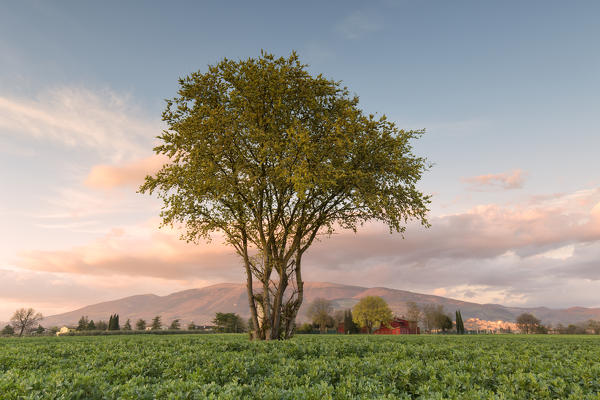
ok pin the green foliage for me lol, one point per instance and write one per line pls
(349, 324)
(229, 323)
(446, 324)
(8, 330)
(91, 326)
(140, 325)
(272, 157)
(305, 328)
(307, 367)
(371, 311)
(83, 323)
(191, 326)
(113, 322)
(102, 325)
(127, 326)
(156, 323)
(460, 326)
(175, 325)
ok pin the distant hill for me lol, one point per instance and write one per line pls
(200, 305)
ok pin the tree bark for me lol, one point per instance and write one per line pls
(278, 303)
(250, 292)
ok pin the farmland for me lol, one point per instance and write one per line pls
(306, 367)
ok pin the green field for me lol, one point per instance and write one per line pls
(307, 367)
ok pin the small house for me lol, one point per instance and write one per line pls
(398, 326)
(63, 331)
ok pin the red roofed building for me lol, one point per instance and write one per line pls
(398, 326)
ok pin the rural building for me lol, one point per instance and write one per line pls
(398, 326)
(63, 330)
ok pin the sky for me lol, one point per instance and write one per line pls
(507, 92)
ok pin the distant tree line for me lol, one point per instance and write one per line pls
(368, 314)
(528, 323)
(113, 324)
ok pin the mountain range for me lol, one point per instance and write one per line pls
(200, 305)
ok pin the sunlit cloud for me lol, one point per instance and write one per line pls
(136, 251)
(129, 174)
(515, 250)
(508, 180)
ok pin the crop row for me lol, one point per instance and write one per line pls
(307, 367)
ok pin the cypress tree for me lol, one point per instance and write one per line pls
(460, 327)
(457, 322)
(349, 324)
(113, 322)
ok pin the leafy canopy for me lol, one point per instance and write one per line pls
(371, 310)
(261, 150)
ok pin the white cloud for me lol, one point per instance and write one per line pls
(105, 121)
(561, 253)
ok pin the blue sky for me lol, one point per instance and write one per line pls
(507, 91)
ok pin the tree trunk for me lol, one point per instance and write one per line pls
(250, 291)
(276, 317)
(277, 306)
(295, 306)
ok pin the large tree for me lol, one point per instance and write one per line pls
(528, 323)
(273, 157)
(319, 311)
(24, 319)
(371, 311)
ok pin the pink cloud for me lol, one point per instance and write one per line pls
(503, 249)
(127, 174)
(484, 232)
(506, 180)
(129, 252)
